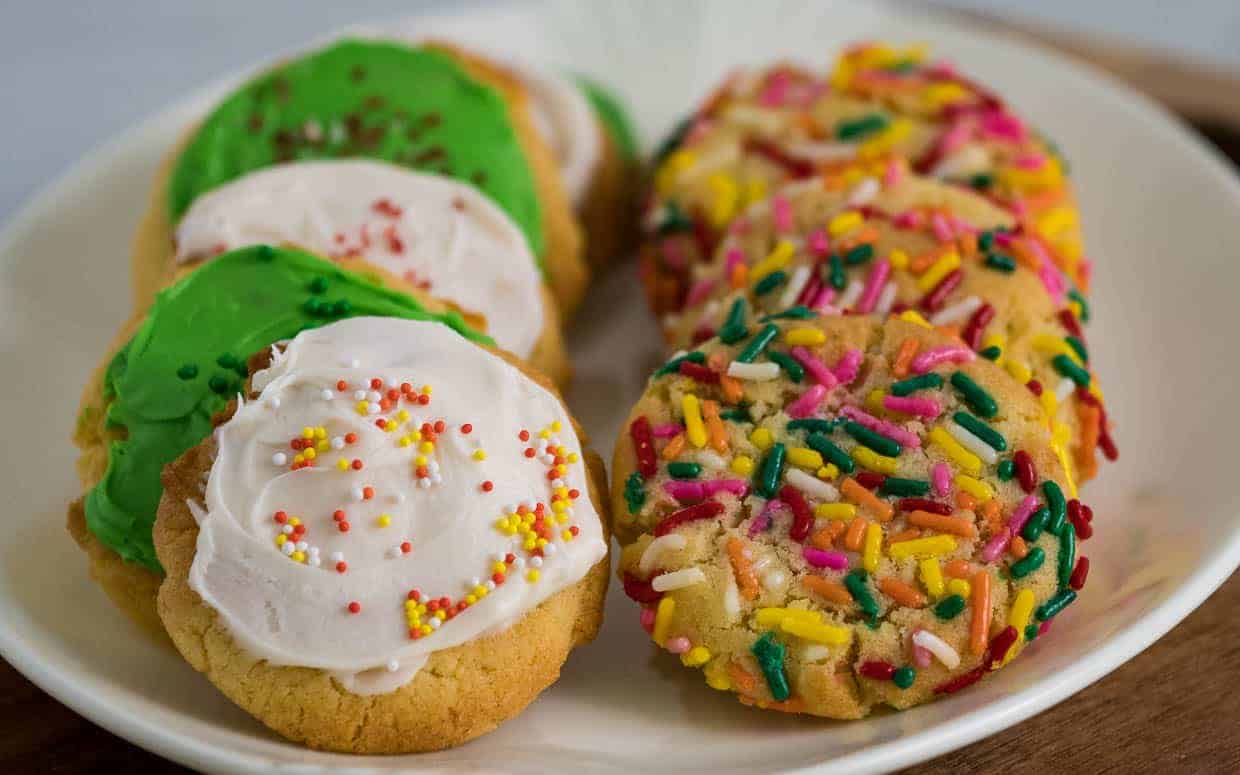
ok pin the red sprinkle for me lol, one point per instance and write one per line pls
(698, 511)
(972, 334)
(342, 386)
(342, 566)
(877, 669)
(1025, 472)
(869, 479)
(467, 428)
(796, 168)
(933, 300)
(802, 517)
(924, 504)
(368, 493)
(355, 607)
(1070, 322)
(1076, 515)
(338, 515)
(639, 591)
(343, 526)
(356, 465)
(1079, 573)
(1034, 386)
(350, 438)
(524, 435)
(280, 517)
(406, 547)
(487, 486)
(698, 372)
(643, 446)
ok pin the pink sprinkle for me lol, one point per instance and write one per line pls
(678, 645)
(949, 353)
(667, 430)
(733, 258)
(818, 242)
(883, 427)
(823, 299)
(814, 367)
(997, 545)
(740, 226)
(782, 211)
(960, 227)
(955, 137)
(807, 402)
(1030, 161)
(820, 559)
(762, 522)
(1004, 238)
(909, 219)
(1044, 627)
(1001, 124)
(646, 617)
(847, 368)
(736, 487)
(893, 174)
(921, 655)
(1022, 513)
(942, 230)
(776, 92)
(684, 491)
(873, 286)
(1053, 281)
(700, 290)
(674, 254)
(941, 478)
(914, 405)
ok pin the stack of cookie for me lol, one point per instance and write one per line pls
(369, 522)
(855, 482)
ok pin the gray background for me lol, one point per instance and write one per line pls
(73, 73)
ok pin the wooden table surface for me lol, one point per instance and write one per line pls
(1174, 708)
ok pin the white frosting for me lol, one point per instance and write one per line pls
(566, 122)
(295, 609)
(434, 231)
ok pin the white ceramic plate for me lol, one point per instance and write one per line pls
(1162, 215)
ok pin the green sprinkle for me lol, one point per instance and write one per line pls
(674, 221)
(1076, 296)
(798, 312)
(1006, 470)
(341, 308)
(794, 370)
(770, 282)
(772, 469)
(949, 607)
(697, 356)
(318, 285)
(1036, 524)
(188, 371)
(823, 446)
(733, 329)
(673, 139)
(991, 353)
(928, 381)
(312, 307)
(684, 470)
(812, 424)
(981, 181)
(875, 441)
(1057, 505)
(1031, 632)
(855, 583)
(770, 655)
(836, 277)
(227, 361)
(904, 488)
(1078, 346)
(265, 253)
(1061, 600)
(218, 384)
(1067, 554)
(739, 414)
(978, 399)
(1001, 263)
(856, 129)
(1068, 368)
(986, 240)
(758, 344)
(903, 677)
(992, 437)
(1029, 563)
(859, 255)
(634, 492)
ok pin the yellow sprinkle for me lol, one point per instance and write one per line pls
(663, 619)
(299, 459)
(975, 487)
(311, 454)
(695, 657)
(805, 335)
(556, 426)
(755, 190)
(1019, 371)
(281, 540)
(677, 163)
(384, 520)
(776, 260)
(1066, 462)
(959, 587)
(716, 675)
(743, 465)
(573, 457)
(320, 432)
(307, 432)
(959, 455)
(868, 458)
(949, 262)
(426, 389)
(939, 95)
(761, 438)
(294, 521)
(835, 511)
(874, 401)
(773, 617)
(323, 446)
(873, 547)
(298, 556)
(1022, 609)
(818, 632)
(342, 464)
(829, 471)
(726, 194)
(695, 430)
(933, 546)
(803, 457)
(996, 340)
(480, 454)
(882, 142)
(1053, 345)
(844, 223)
(931, 576)
(913, 316)
(531, 576)
(1049, 402)
(898, 259)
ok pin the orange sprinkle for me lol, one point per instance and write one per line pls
(790, 705)
(1044, 200)
(828, 589)
(908, 349)
(920, 263)
(965, 501)
(673, 448)
(824, 539)
(908, 534)
(979, 628)
(1084, 456)
(856, 530)
(742, 679)
(1023, 254)
(952, 332)
(742, 568)
(1017, 548)
(833, 181)
(967, 246)
(740, 276)
(990, 513)
(732, 390)
(944, 524)
(718, 434)
(863, 235)
(900, 592)
(854, 492)
(958, 569)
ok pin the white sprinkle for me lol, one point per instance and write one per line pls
(672, 542)
(474, 581)
(437, 478)
(434, 623)
(394, 552)
(710, 459)
(302, 546)
(972, 443)
(372, 409)
(756, 372)
(797, 284)
(338, 442)
(519, 562)
(823, 152)
(359, 395)
(279, 459)
(327, 394)
(687, 577)
(393, 665)
(314, 551)
(549, 549)
(774, 580)
(938, 647)
(490, 585)
(375, 396)
(357, 493)
(1064, 389)
(287, 530)
(850, 295)
(274, 402)
(812, 485)
(864, 192)
(314, 560)
(731, 599)
(886, 299)
(956, 312)
(424, 483)
(355, 363)
(287, 548)
(815, 652)
(336, 556)
(557, 483)
(536, 562)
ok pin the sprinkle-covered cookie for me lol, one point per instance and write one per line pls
(391, 546)
(761, 129)
(826, 514)
(928, 252)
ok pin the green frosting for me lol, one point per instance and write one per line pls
(188, 359)
(411, 106)
(614, 117)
